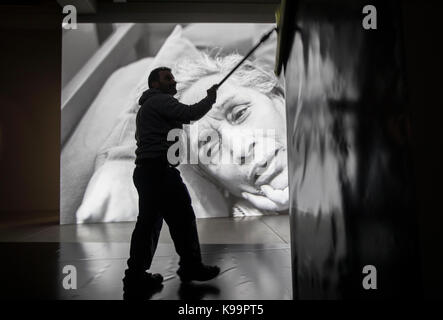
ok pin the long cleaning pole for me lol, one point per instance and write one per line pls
(263, 39)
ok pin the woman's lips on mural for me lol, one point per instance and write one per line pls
(273, 172)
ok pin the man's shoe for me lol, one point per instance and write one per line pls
(141, 284)
(199, 273)
(154, 278)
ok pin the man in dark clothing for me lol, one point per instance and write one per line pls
(162, 193)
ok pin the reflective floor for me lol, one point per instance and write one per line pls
(253, 254)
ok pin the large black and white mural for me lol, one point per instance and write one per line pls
(233, 160)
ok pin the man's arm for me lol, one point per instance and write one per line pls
(174, 110)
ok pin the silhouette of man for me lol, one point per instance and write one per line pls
(162, 193)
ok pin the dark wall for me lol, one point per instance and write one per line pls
(30, 112)
(423, 53)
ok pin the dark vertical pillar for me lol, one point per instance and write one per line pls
(352, 196)
(30, 75)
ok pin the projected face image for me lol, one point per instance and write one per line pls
(248, 120)
(98, 153)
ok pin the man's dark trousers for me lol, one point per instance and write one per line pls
(162, 195)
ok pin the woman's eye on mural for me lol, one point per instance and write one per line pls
(238, 114)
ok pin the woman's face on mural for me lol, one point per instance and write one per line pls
(241, 142)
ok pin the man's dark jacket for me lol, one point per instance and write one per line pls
(158, 114)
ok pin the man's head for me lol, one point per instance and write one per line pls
(249, 104)
(161, 78)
